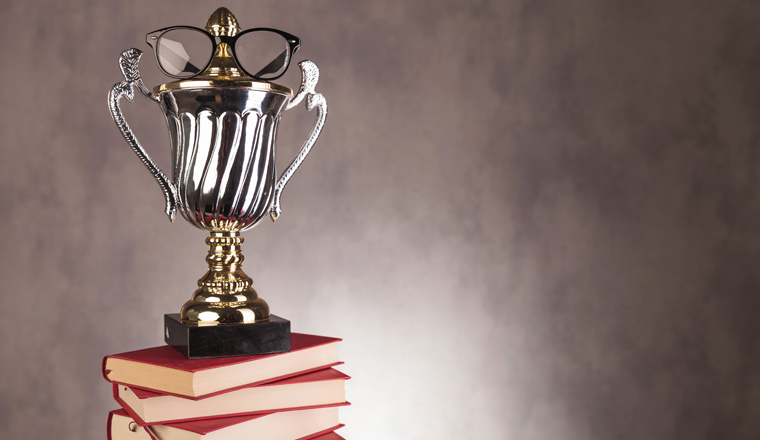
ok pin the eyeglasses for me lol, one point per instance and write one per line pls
(184, 52)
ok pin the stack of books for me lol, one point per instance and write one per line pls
(286, 396)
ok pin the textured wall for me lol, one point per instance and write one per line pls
(528, 219)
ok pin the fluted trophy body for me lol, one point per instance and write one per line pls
(223, 154)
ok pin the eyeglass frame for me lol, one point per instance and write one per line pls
(294, 43)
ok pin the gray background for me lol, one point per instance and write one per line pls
(528, 219)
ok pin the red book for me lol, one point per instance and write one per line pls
(310, 390)
(165, 370)
(311, 424)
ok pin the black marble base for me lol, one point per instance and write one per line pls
(266, 337)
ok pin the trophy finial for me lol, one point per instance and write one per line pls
(222, 24)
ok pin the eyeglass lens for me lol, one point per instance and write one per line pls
(184, 52)
(262, 53)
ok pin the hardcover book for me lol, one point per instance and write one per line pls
(324, 387)
(165, 370)
(312, 424)
(122, 427)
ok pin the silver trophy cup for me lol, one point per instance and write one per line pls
(223, 177)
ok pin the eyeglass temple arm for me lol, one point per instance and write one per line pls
(273, 66)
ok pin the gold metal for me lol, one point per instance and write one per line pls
(225, 294)
(196, 83)
(222, 24)
(223, 65)
(223, 71)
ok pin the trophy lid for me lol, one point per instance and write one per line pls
(223, 70)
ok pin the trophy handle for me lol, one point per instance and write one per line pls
(309, 78)
(128, 61)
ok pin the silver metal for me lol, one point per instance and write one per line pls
(128, 61)
(223, 146)
(309, 79)
(223, 151)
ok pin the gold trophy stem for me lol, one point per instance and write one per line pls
(225, 294)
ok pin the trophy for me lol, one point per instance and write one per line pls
(222, 112)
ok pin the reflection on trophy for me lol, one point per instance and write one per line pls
(222, 113)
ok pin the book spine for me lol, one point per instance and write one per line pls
(105, 372)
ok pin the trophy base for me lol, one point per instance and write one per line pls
(201, 342)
